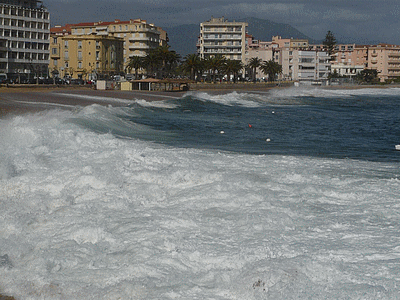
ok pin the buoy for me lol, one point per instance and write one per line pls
(397, 147)
(273, 112)
(268, 140)
(222, 132)
(250, 126)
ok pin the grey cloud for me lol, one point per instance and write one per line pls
(354, 19)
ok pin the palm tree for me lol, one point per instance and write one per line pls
(192, 65)
(135, 62)
(236, 68)
(150, 62)
(253, 64)
(215, 65)
(271, 68)
(166, 59)
(232, 67)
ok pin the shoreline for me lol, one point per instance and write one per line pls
(21, 99)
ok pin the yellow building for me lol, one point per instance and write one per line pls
(138, 35)
(84, 56)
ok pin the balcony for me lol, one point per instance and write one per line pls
(139, 47)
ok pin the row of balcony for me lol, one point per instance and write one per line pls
(221, 29)
(222, 46)
(238, 38)
(25, 16)
(220, 51)
(24, 61)
(24, 29)
(21, 50)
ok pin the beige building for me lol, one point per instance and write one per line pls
(386, 60)
(298, 61)
(220, 36)
(137, 35)
(84, 56)
(24, 38)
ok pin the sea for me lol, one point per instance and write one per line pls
(283, 194)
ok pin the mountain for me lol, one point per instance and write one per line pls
(264, 30)
(183, 38)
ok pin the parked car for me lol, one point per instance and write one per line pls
(3, 78)
(77, 81)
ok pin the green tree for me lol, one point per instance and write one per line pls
(253, 64)
(166, 59)
(136, 63)
(271, 68)
(192, 65)
(232, 67)
(215, 64)
(368, 76)
(150, 62)
(329, 44)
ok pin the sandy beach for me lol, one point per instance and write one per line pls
(21, 99)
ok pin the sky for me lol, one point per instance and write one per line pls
(361, 21)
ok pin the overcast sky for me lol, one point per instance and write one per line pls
(359, 20)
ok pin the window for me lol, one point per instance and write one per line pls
(80, 65)
(66, 55)
(66, 44)
(55, 62)
(79, 54)
(79, 44)
(55, 40)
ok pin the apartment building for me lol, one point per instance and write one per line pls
(298, 61)
(139, 36)
(348, 59)
(385, 59)
(220, 36)
(292, 44)
(84, 56)
(24, 38)
(308, 66)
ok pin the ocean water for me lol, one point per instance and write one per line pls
(287, 194)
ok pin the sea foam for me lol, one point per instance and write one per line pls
(84, 212)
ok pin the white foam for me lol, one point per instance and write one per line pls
(229, 99)
(332, 92)
(88, 214)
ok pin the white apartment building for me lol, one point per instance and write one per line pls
(220, 36)
(308, 66)
(24, 38)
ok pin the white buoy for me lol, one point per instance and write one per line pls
(397, 147)
(222, 132)
(268, 140)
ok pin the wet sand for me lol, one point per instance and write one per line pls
(16, 100)
(22, 99)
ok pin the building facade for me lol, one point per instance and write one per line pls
(139, 37)
(298, 60)
(24, 39)
(385, 59)
(87, 57)
(220, 36)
